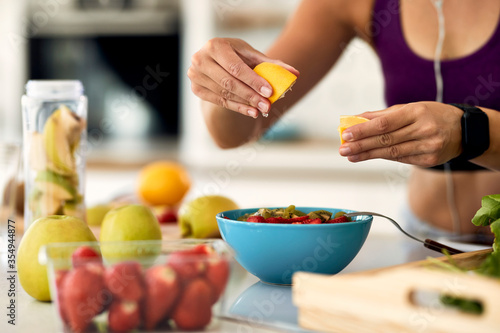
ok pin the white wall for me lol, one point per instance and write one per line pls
(12, 68)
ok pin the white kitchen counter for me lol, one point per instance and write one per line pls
(249, 303)
(247, 299)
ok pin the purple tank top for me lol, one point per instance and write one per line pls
(473, 79)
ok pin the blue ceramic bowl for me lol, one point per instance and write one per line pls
(273, 252)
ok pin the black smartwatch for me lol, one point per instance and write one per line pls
(475, 132)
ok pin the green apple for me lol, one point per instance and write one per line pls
(96, 213)
(197, 217)
(50, 229)
(133, 222)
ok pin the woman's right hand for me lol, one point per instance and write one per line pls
(221, 73)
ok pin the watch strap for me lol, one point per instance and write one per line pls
(475, 131)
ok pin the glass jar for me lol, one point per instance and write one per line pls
(55, 137)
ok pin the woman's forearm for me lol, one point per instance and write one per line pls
(310, 43)
(227, 128)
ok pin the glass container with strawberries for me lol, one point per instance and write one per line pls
(54, 127)
(146, 285)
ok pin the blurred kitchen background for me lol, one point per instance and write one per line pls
(132, 57)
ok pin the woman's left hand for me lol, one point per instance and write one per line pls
(423, 134)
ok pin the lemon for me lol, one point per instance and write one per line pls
(163, 183)
(280, 79)
(348, 121)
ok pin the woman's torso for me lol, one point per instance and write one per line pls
(404, 35)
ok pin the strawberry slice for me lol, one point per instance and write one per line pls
(298, 219)
(312, 221)
(256, 218)
(278, 219)
(340, 219)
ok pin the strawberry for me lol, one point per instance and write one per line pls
(123, 316)
(167, 216)
(256, 218)
(278, 219)
(340, 219)
(201, 249)
(298, 219)
(193, 311)
(312, 221)
(84, 295)
(188, 263)
(162, 289)
(84, 254)
(124, 280)
(59, 279)
(217, 274)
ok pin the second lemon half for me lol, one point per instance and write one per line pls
(348, 121)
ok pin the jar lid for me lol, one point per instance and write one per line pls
(54, 89)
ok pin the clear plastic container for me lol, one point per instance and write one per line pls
(54, 131)
(138, 285)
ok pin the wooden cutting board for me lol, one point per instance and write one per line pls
(402, 298)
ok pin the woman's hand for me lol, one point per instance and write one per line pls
(221, 73)
(423, 134)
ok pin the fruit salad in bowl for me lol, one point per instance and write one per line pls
(273, 243)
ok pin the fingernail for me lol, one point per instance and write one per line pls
(252, 113)
(354, 158)
(345, 151)
(266, 92)
(347, 136)
(262, 106)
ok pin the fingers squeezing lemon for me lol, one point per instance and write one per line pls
(348, 121)
(280, 79)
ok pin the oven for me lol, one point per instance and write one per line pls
(125, 52)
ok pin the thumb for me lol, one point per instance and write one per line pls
(259, 57)
(286, 66)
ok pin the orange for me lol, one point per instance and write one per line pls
(280, 79)
(163, 183)
(348, 121)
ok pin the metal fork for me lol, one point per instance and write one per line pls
(428, 243)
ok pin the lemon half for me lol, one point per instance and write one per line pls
(280, 79)
(348, 121)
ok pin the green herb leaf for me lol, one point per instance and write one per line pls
(465, 305)
(489, 212)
